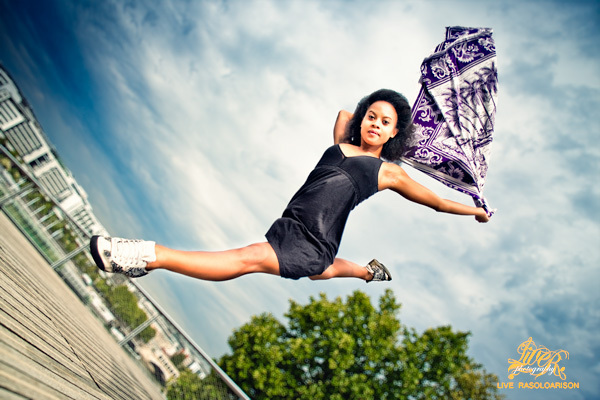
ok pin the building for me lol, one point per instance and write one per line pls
(21, 132)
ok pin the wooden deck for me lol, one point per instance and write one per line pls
(51, 346)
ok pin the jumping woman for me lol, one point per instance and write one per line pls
(305, 240)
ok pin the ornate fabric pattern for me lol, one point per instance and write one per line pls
(454, 112)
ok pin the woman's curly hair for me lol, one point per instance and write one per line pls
(395, 147)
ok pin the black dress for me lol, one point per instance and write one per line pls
(307, 237)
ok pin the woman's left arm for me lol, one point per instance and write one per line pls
(339, 129)
(392, 176)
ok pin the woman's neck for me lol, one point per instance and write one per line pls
(351, 150)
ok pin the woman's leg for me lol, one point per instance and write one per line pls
(344, 269)
(217, 266)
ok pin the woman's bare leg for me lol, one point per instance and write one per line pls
(344, 269)
(217, 266)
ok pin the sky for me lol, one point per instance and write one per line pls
(192, 123)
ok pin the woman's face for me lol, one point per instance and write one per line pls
(379, 124)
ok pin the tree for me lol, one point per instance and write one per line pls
(189, 386)
(178, 359)
(125, 306)
(351, 350)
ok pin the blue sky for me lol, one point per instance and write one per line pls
(193, 124)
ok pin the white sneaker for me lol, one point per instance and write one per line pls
(125, 256)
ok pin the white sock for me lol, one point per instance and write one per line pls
(148, 251)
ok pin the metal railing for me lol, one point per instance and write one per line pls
(138, 323)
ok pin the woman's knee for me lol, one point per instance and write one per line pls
(327, 274)
(259, 257)
(253, 254)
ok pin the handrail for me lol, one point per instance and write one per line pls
(226, 379)
(43, 190)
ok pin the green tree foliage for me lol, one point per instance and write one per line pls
(351, 350)
(189, 386)
(124, 305)
(178, 359)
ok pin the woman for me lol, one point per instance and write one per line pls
(305, 240)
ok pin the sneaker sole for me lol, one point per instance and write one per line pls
(387, 271)
(95, 253)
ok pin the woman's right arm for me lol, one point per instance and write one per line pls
(392, 176)
(339, 129)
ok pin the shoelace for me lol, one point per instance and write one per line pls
(127, 253)
(379, 274)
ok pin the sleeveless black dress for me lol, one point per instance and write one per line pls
(307, 237)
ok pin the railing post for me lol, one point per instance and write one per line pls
(228, 381)
(137, 330)
(43, 190)
(11, 196)
(68, 257)
(33, 182)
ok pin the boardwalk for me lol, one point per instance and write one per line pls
(51, 346)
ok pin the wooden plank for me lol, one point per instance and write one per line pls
(110, 375)
(16, 382)
(12, 344)
(7, 322)
(33, 326)
(16, 305)
(51, 345)
(82, 349)
(6, 395)
(48, 381)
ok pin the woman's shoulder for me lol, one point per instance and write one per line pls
(390, 173)
(391, 168)
(348, 149)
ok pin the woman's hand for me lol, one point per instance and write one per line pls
(482, 216)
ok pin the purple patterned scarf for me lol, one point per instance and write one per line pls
(454, 112)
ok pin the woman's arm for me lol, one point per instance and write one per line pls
(393, 177)
(339, 129)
